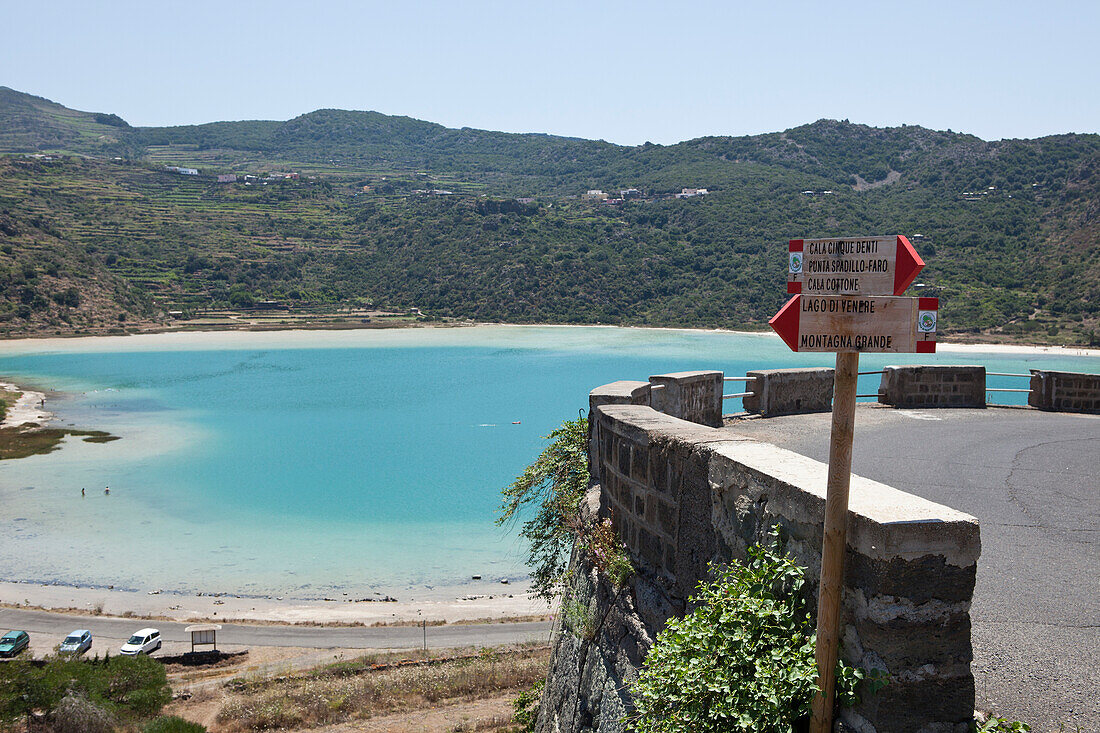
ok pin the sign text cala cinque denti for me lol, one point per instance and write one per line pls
(852, 266)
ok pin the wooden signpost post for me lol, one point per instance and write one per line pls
(846, 301)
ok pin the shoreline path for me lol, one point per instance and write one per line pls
(48, 628)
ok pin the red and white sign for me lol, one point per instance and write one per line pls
(852, 266)
(839, 323)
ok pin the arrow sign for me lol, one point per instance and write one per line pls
(852, 266)
(845, 323)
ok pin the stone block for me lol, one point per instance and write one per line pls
(923, 705)
(666, 517)
(692, 396)
(932, 386)
(1065, 391)
(789, 391)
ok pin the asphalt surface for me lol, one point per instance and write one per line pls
(1033, 481)
(47, 629)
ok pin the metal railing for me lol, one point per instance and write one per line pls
(988, 390)
(875, 395)
(738, 395)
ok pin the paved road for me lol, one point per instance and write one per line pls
(47, 629)
(1033, 481)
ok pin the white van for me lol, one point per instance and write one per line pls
(143, 641)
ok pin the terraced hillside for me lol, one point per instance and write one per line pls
(360, 210)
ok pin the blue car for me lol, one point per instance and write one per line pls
(77, 642)
(13, 642)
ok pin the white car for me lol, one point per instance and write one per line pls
(77, 642)
(143, 641)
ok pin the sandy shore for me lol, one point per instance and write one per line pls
(485, 602)
(233, 339)
(947, 347)
(27, 409)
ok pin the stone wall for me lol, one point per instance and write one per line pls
(682, 495)
(789, 391)
(1065, 391)
(932, 386)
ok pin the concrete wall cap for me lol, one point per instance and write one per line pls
(934, 366)
(794, 370)
(623, 388)
(894, 523)
(647, 420)
(684, 375)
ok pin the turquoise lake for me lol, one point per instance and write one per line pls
(301, 463)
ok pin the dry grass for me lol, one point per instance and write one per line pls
(366, 688)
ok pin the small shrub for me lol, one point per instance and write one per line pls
(172, 724)
(122, 687)
(743, 660)
(526, 707)
(76, 714)
(608, 553)
(999, 725)
(555, 484)
(580, 620)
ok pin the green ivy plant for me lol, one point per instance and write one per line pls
(555, 484)
(1000, 725)
(743, 660)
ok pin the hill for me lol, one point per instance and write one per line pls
(1009, 229)
(30, 124)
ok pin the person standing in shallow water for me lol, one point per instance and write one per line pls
(107, 491)
(82, 491)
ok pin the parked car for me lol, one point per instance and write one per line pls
(77, 642)
(13, 642)
(143, 641)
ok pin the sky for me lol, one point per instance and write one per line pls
(626, 72)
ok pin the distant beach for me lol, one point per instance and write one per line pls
(27, 409)
(484, 601)
(271, 338)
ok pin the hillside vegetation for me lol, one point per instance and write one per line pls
(96, 233)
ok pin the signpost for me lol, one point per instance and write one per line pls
(852, 266)
(845, 300)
